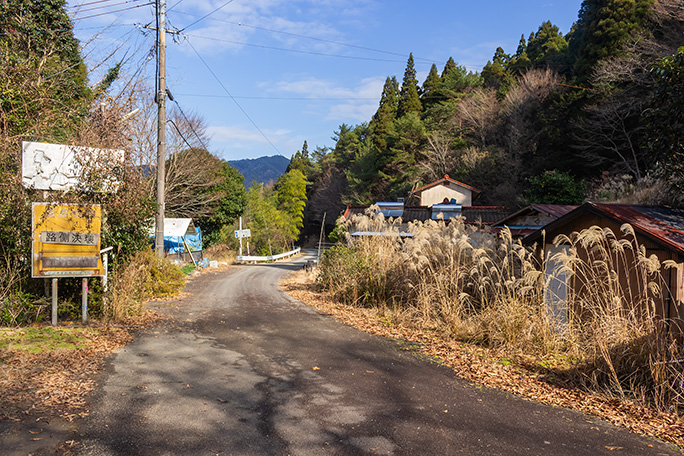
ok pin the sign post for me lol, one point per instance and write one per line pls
(243, 234)
(65, 242)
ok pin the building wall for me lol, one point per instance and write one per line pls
(668, 303)
(436, 195)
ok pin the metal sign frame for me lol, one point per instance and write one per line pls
(65, 240)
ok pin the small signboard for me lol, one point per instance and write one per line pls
(243, 233)
(66, 240)
(61, 167)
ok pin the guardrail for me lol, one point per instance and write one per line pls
(270, 257)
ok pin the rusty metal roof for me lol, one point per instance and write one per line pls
(661, 224)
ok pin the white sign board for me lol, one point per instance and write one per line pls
(243, 233)
(61, 167)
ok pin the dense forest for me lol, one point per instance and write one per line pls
(594, 114)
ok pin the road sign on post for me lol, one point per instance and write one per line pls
(243, 233)
(66, 240)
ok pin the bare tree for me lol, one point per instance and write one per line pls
(438, 159)
(522, 102)
(478, 115)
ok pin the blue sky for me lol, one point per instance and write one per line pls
(268, 74)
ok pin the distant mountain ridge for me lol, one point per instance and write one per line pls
(262, 169)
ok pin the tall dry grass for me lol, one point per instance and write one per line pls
(144, 277)
(489, 289)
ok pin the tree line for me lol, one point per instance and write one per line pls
(590, 114)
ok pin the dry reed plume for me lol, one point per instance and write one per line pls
(489, 289)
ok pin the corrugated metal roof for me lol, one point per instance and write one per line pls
(554, 210)
(665, 224)
(661, 224)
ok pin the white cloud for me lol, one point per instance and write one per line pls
(362, 99)
(244, 135)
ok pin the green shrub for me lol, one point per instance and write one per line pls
(22, 308)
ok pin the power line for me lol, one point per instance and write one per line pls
(190, 125)
(110, 12)
(276, 98)
(296, 51)
(106, 6)
(181, 134)
(207, 15)
(175, 5)
(233, 98)
(88, 3)
(323, 40)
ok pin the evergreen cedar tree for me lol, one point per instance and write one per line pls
(520, 137)
(409, 98)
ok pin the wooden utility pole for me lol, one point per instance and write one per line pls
(161, 127)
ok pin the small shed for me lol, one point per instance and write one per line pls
(453, 191)
(657, 230)
(182, 239)
(531, 218)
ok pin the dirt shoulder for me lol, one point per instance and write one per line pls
(46, 376)
(485, 367)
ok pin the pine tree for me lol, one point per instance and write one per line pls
(448, 67)
(603, 27)
(495, 73)
(409, 97)
(547, 46)
(301, 161)
(431, 87)
(381, 124)
(520, 62)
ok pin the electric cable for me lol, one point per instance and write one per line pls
(207, 15)
(111, 12)
(175, 5)
(276, 98)
(181, 134)
(323, 40)
(296, 51)
(88, 3)
(105, 6)
(233, 98)
(189, 124)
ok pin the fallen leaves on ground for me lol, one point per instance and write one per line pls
(55, 382)
(481, 366)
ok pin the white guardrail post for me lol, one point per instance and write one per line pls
(242, 258)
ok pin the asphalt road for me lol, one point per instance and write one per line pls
(242, 369)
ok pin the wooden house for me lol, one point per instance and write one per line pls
(448, 189)
(657, 230)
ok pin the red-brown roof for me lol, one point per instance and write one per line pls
(661, 224)
(551, 210)
(446, 178)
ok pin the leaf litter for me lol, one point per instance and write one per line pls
(484, 367)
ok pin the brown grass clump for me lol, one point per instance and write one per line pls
(489, 290)
(144, 277)
(222, 253)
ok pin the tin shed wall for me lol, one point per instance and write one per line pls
(668, 303)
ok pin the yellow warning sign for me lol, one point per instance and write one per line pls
(66, 240)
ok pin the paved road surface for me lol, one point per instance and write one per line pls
(245, 370)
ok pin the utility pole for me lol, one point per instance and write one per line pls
(161, 127)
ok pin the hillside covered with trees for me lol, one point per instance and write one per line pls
(593, 114)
